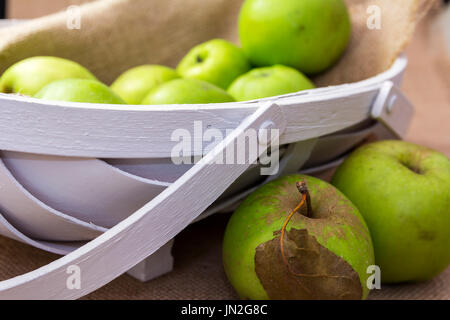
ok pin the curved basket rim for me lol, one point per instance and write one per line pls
(316, 94)
(114, 131)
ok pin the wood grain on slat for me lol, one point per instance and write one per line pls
(112, 131)
(149, 228)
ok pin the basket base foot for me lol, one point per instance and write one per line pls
(154, 266)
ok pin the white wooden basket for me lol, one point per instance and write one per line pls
(95, 182)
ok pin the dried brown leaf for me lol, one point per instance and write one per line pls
(312, 272)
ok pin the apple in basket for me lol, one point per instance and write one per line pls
(267, 82)
(309, 35)
(298, 237)
(79, 90)
(29, 76)
(135, 84)
(403, 192)
(187, 91)
(216, 61)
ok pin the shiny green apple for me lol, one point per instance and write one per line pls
(187, 91)
(309, 35)
(216, 61)
(29, 76)
(79, 90)
(327, 245)
(403, 192)
(267, 82)
(135, 84)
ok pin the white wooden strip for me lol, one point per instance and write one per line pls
(295, 157)
(37, 220)
(393, 109)
(333, 146)
(62, 248)
(318, 169)
(66, 129)
(161, 169)
(87, 189)
(227, 203)
(149, 228)
(117, 131)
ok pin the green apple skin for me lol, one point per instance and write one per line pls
(216, 61)
(28, 76)
(268, 82)
(309, 35)
(264, 212)
(187, 91)
(79, 90)
(135, 84)
(407, 211)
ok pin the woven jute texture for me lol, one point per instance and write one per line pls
(118, 34)
(198, 272)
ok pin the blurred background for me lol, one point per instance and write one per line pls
(25, 9)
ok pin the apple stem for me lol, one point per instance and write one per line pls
(303, 189)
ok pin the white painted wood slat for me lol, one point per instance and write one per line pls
(87, 189)
(149, 228)
(117, 131)
(36, 219)
(67, 129)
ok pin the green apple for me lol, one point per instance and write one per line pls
(79, 90)
(29, 76)
(216, 61)
(268, 82)
(187, 91)
(327, 245)
(309, 35)
(134, 84)
(403, 192)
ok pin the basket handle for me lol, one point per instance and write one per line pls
(393, 109)
(145, 231)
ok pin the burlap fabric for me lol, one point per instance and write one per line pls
(118, 34)
(198, 272)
